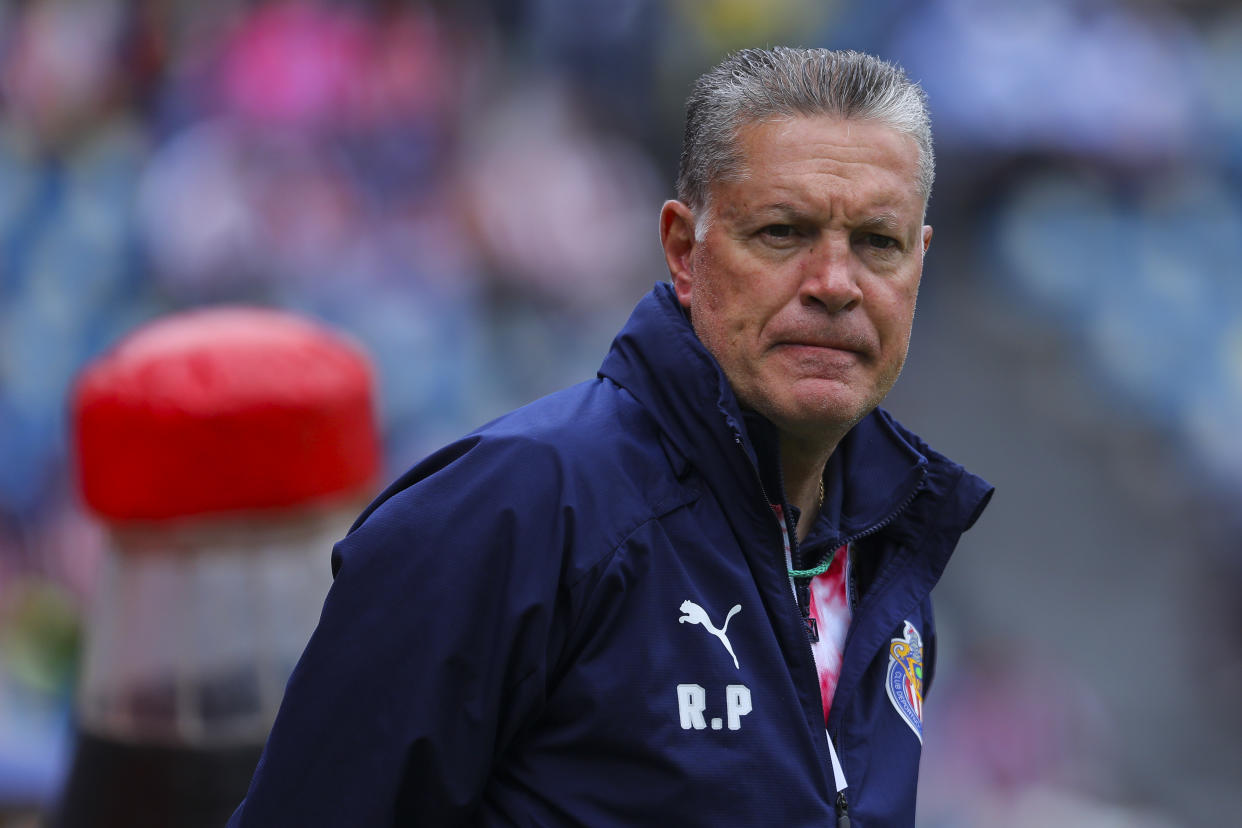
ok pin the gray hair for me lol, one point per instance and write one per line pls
(755, 85)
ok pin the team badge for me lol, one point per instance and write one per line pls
(905, 677)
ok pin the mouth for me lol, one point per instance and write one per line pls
(813, 346)
(820, 357)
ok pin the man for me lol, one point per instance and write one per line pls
(693, 591)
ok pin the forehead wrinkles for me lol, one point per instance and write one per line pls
(798, 163)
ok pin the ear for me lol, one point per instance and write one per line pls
(677, 239)
(927, 234)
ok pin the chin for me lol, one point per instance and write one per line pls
(833, 405)
(821, 419)
(811, 409)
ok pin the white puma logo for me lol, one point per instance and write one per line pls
(695, 614)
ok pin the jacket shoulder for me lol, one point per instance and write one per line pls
(588, 462)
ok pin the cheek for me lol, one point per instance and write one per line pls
(896, 314)
(708, 315)
(717, 326)
(718, 308)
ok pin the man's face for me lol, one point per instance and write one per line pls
(804, 284)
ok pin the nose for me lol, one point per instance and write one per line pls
(830, 278)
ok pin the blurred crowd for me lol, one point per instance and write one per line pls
(1108, 154)
(470, 189)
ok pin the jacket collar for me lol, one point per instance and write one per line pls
(876, 471)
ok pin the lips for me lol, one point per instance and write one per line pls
(850, 345)
(831, 346)
(836, 337)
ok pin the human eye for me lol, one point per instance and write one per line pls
(879, 241)
(779, 234)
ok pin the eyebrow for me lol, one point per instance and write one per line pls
(779, 208)
(883, 221)
(886, 221)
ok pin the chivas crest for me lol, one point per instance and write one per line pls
(905, 677)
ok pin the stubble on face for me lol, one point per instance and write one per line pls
(803, 286)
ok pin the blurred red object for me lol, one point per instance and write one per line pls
(224, 410)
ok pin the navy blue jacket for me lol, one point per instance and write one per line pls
(580, 615)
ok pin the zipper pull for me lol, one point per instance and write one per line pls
(843, 811)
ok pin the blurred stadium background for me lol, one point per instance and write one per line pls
(471, 188)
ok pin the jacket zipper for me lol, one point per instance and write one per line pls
(841, 804)
(789, 541)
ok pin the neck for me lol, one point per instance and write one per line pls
(802, 464)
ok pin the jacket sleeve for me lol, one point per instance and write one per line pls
(432, 650)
